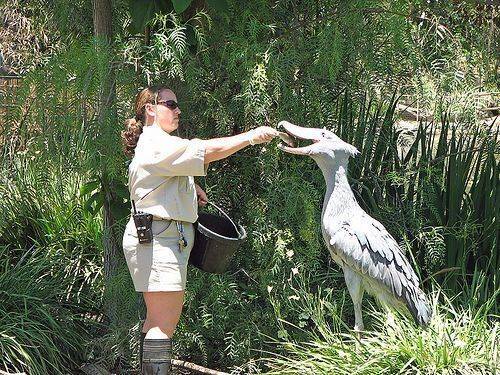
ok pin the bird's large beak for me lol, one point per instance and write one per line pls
(296, 133)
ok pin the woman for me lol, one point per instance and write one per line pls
(161, 183)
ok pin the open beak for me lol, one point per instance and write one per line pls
(288, 139)
(294, 134)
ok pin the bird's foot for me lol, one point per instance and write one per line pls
(358, 331)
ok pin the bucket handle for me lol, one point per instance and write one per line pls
(222, 212)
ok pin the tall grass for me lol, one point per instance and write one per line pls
(457, 341)
(50, 269)
(42, 208)
(41, 331)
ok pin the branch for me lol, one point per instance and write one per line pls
(383, 10)
(444, 270)
(196, 368)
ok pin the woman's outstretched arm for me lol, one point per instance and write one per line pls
(220, 148)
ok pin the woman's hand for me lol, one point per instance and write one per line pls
(261, 134)
(202, 196)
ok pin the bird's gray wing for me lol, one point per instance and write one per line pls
(366, 246)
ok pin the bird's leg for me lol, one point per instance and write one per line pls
(390, 320)
(389, 315)
(355, 286)
(358, 318)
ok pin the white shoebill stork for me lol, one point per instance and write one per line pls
(370, 258)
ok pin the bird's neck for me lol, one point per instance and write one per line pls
(339, 197)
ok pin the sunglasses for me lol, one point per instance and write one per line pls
(171, 104)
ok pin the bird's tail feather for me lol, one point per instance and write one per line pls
(419, 306)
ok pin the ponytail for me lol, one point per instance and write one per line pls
(131, 134)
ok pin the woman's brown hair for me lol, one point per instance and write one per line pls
(133, 126)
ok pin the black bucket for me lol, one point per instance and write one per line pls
(216, 240)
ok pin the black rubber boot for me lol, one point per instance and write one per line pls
(156, 357)
(141, 345)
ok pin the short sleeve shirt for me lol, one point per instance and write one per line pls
(169, 162)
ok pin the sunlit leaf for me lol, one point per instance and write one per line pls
(89, 187)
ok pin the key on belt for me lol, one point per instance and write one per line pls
(182, 240)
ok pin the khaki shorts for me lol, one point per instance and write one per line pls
(160, 265)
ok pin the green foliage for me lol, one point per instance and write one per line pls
(66, 128)
(117, 345)
(49, 159)
(142, 12)
(456, 341)
(308, 62)
(453, 195)
(44, 326)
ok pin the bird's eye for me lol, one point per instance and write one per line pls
(323, 134)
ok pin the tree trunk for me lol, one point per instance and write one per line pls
(103, 32)
(103, 21)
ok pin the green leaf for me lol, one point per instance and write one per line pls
(96, 199)
(304, 316)
(181, 5)
(142, 11)
(282, 334)
(98, 203)
(219, 5)
(89, 187)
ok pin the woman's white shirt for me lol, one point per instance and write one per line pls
(171, 161)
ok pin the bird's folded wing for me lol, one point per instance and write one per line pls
(365, 245)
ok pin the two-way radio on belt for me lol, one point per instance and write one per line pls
(144, 223)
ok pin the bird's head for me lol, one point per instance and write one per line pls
(325, 144)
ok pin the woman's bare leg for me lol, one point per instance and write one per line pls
(163, 313)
